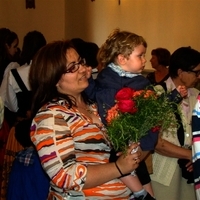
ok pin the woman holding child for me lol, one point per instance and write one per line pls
(67, 131)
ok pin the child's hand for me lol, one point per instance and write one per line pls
(182, 90)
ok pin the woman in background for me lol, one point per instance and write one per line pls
(8, 49)
(160, 62)
(172, 160)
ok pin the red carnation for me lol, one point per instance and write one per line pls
(155, 129)
(123, 94)
(127, 106)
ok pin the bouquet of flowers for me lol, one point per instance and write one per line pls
(137, 112)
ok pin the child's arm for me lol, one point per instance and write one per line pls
(178, 94)
(175, 95)
(148, 142)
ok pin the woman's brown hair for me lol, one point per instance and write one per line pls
(47, 67)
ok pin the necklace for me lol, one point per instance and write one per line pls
(86, 108)
(89, 110)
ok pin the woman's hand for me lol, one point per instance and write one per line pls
(189, 166)
(182, 90)
(130, 161)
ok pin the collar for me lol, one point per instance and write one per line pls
(121, 72)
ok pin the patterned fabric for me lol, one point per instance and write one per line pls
(67, 141)
(26, 156)
(196, 146)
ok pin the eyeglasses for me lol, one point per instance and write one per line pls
(74, 66)
(197, 72)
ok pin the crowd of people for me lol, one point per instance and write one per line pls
(53, 103)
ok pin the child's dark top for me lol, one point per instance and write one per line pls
(103, 90)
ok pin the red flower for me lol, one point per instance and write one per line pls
(155, 129)
(125, 93)
(127, 106)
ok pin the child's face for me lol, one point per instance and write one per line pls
(136, 61)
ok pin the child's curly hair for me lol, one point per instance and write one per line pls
(118, 42)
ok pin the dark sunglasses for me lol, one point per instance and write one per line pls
(74, 66)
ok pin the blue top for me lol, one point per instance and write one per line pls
(27, 180)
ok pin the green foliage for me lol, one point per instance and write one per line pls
(152, 112)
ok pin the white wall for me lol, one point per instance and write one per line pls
(48, 17)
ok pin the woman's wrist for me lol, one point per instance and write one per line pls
(119, 170)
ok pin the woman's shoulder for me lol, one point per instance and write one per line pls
(151, 77)
(55, 104)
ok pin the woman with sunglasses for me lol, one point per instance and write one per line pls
(172, 160)
(67, 131)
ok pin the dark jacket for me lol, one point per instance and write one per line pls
(103, 90)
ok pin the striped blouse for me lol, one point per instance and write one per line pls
(196, 146)
(67, 141)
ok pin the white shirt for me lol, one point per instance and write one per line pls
(4, 83)
(12, 88)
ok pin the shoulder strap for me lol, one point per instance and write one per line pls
(19, 80)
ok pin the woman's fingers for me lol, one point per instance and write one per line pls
(189, 166)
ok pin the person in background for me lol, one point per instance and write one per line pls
(67, 131)
(160, 62)
(196, 146)
(27, 179)
(8, 48)
(172, 160)
(87, 50)
(15, 89)
(17, 99)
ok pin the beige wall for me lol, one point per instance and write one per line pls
(48, 17)
(163, 23)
